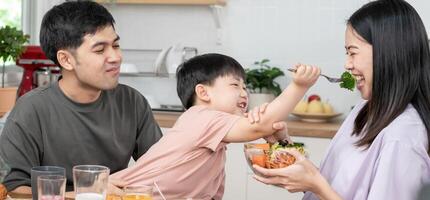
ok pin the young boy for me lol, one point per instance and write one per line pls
(189, 159)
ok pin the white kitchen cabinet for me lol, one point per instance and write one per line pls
(258, 191)
(236, 171)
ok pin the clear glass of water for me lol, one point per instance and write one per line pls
(51, 187)
(90, 182)
(40, 171)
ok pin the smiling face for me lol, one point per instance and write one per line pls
(97, 61)
(228, 94)
(359, 61)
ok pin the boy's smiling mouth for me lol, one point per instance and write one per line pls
(242, 106)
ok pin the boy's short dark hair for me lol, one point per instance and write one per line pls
(64, 26)
(204, 69)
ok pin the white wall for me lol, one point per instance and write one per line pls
(285, 31)
(33, 12)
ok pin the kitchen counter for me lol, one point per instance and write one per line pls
(295, 126)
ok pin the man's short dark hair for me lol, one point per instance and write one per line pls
(65, 25)
(204, 69)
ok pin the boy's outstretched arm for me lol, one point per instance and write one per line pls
(277, 110)
(280, 128)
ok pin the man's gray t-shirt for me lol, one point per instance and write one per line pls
(47, 128)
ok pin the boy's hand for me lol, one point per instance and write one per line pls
(254, 114)
(280, 134)
(306, 75)
(280, 127)
(115, 187)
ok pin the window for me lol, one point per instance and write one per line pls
(10, 13)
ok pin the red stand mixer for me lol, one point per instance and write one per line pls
(38, 69)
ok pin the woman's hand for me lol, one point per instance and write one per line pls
(280, 134)
(298, 177)
(280, 127)
(301, 176)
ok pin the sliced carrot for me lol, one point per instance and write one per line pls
(259, 160)
(263, 146)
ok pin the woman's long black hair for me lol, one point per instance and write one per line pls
(401, 65)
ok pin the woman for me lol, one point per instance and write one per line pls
(381, 150)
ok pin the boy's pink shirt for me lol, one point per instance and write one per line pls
(189, 159)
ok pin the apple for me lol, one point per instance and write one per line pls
(314, 97)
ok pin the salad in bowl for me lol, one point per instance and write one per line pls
(271, 156)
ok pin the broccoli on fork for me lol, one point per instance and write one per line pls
(348, 81)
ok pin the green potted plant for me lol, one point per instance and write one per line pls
(12, 43)
(261, 82)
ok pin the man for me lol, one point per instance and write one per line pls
(85, 118)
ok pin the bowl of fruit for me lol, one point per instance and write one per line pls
(271, 156)
(314, 110)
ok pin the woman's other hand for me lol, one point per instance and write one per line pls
(280, 134)
(298, 177)
(301, 176)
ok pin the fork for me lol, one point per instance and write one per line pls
(330, 79)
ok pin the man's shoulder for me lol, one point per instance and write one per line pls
(40, 94)
(123, 91)
(123, 87)
(124, 94)
(32, 103)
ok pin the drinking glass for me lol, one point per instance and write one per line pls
(43, 170)
(90, 182)
(138, 192)
(51, 187)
